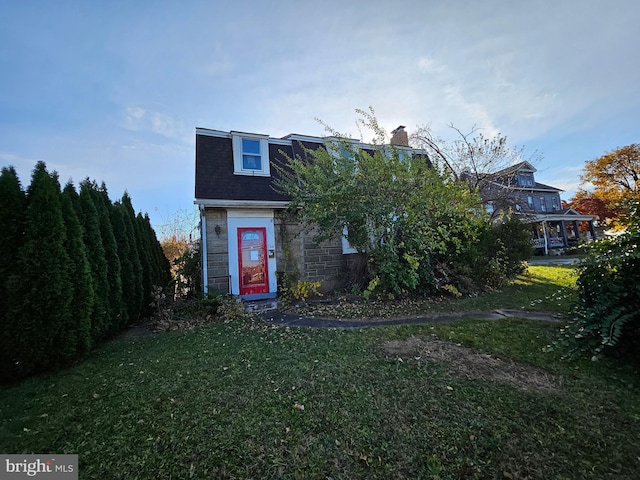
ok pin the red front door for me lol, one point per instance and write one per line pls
(252, 260)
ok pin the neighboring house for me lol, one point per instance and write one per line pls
(552, 225)
(247, 237)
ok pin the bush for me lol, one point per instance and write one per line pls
(495, 258)
(608, 310)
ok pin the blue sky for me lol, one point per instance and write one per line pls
(114, 90)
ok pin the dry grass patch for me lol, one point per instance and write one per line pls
(472, 365)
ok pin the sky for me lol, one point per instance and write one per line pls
(114, 90)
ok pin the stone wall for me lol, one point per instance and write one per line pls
(297, 251)
(217, 256)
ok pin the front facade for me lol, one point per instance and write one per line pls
(553, 226)
(248, 239)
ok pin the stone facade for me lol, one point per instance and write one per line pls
(297, 252)
(217, 255)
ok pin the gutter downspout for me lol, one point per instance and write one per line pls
(203, 249)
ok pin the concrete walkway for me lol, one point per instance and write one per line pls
(291, 320)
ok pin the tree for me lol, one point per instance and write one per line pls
(90, 220)
(400, 212)
(12, 221)
(474, 159)
(615, 177)
(136, 294)
(40, 299)
(75, 339)
(591, 203)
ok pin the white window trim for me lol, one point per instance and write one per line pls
(236, 138)
(346, 246)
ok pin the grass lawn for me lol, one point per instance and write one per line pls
(225, 401)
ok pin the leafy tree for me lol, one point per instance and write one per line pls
(616, 181)
(398, 211)
(12, 223)
(591, 203)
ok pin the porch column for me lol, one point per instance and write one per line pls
(564, 233)
(576, 229)
(592, 230)
(546, 241)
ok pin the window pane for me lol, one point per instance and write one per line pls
(251, 162)
(251, 146)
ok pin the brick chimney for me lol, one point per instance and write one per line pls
(399, 137)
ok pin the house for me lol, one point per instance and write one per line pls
(553, 226)
(247, 237)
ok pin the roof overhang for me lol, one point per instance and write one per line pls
(560, 218)
(205, 202)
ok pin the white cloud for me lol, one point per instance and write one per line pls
(140, 119)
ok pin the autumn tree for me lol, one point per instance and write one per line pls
(615, 178)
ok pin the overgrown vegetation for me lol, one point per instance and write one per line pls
(418, 227)
(540, 288)
(608, 309)
(472, 399)
(75, 269)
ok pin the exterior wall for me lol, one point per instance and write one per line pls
(217, 255)
(520, 198)
(297, 252)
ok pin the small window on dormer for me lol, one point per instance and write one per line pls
(251, 155)
(525, 179)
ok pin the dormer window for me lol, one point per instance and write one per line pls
(250, 154)
(525, 179)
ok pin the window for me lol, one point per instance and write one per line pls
(543, 204)
(555, 204)
(489, 208)
(251, 155)
(251, 158)
(525, 179)
(346, 246)
(530, 201)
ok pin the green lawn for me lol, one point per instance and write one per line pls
(220, 402)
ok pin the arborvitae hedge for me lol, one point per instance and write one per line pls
(71, 270)
(13, 204)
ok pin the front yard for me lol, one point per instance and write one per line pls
(472, 399)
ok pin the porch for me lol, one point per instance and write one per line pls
(553, 232)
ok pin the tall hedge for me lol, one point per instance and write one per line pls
(13, 205)
(78, 336)
(40, 298)
(75, 268)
